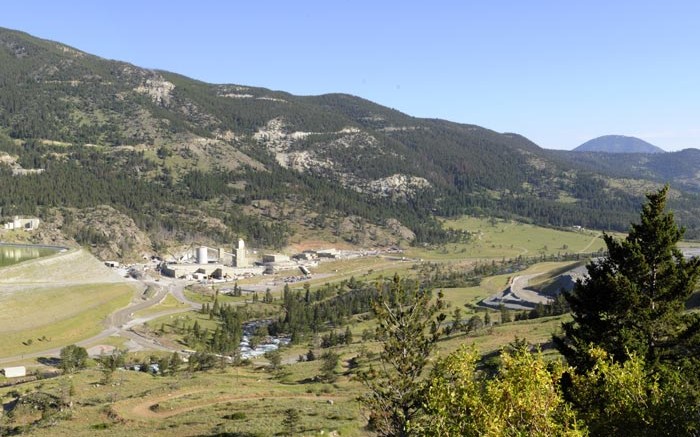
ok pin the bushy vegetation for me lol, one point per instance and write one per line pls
(73, 358)
(630, 350)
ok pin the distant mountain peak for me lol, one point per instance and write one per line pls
(618, 144)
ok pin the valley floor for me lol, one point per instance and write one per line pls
(73, 298)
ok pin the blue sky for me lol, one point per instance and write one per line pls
(558, 72)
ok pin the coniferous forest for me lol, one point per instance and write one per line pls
(156, 145)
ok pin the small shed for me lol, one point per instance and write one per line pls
(15, 372)
(199, 276)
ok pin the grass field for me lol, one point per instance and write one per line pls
(509, 239)
(55, 301)
(245, 400)
(59, 316)
(169, 303)
(536, 332)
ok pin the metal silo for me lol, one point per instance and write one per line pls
(202, 255)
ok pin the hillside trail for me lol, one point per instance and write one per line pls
(144, 410)
(590, 243)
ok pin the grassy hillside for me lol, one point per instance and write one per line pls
(52, 302)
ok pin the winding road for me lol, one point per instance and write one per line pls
(517, 296)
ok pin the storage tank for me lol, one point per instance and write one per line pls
(202, 255)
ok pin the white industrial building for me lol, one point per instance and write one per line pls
(205, 262)
(26, 223)
(213, 270)
(275, 258)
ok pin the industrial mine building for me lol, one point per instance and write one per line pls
(25, 223)
(204, 263)
(213, 263)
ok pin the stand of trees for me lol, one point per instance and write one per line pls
(436, 275)
(330, 306)
(225, 339)
(632, 356)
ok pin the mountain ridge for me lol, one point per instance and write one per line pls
(266, 165)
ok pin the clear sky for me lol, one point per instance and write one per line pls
(559, 72)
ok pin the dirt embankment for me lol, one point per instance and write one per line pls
(74, 267)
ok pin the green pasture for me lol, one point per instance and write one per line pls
(57, 300)
(535, 331)
(43, 318)
(496, 238)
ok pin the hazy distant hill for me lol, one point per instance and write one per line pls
(618, 144)
(184, 160)
(681, 168)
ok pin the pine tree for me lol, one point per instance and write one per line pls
(291, 421)
(410, 323)
(348, 335)
(310, 355)
(275, 359)
(175, 362)
(215, 307)
(505, 314)
(457, 319)
(268, 296)
(330, 362)
(633, 299)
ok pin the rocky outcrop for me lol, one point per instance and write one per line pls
(398, 185)
(158, 89)
(17, 169)
(320, 158)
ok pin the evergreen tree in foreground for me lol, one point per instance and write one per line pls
(410, 322)
(633, 300)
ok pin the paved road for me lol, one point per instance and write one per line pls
(177, 289)
(520, 291)
(516, 296)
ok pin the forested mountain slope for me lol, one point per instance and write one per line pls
(185, 160)
(681, 169)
